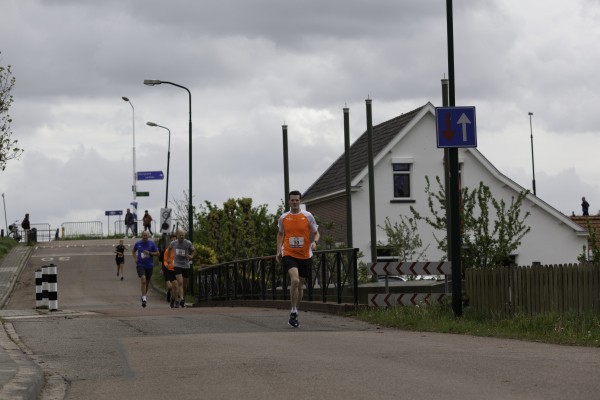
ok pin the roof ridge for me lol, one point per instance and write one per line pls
(333, 178)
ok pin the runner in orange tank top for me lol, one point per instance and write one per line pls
(294, 248)
(169, 272)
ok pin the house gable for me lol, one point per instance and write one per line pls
(332, 181)
(554, 237)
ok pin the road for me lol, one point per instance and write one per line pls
(102, 344)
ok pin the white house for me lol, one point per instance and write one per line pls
(405, 151)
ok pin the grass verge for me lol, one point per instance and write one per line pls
(566, 329)
(6, 244)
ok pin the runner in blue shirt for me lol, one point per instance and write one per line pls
(143, 252)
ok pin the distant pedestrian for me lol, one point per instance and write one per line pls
(585, 206)
(184, 253)
(147, 220)
(120, 258)
(26, 227)
(129, 223)
(295, 247)
(143, 252)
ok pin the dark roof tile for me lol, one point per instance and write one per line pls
(333, 179)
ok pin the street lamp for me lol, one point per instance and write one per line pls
(168, 157)
(532, 163)
(153, 82)
(133, 188)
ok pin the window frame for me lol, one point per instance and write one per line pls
(409, 163)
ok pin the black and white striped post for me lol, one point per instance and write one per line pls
(52, 288)
(38, 288)
(46, 287)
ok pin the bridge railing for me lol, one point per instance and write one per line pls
(87, 229)
(334, 278)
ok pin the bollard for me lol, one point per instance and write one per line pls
(44, 286)
(38, 288)
(52, 288)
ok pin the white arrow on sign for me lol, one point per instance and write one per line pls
(464, 120)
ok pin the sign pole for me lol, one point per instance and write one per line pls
(455, 236)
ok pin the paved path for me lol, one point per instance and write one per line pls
(102, 344)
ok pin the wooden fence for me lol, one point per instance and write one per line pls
(534, 289)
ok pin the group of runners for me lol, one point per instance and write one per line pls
(297, 238)
(175, 267)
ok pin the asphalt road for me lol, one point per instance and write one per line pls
(102, 344)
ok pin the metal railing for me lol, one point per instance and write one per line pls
(44, 232)
(334, 275)
(76, 229)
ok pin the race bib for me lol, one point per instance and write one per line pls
(296, 242)
(180, 252)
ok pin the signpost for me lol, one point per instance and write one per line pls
(456, 127)
(109, 213)
(165, 220)
(149, 175)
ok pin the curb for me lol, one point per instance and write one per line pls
(28, 379)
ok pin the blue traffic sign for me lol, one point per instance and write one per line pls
(149, 175)
(456, 127)
(116, 212)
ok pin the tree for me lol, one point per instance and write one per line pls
(8, 146)
(594, 247)
(238, 230)
(485, 242)
(181, 212)
(403, 238)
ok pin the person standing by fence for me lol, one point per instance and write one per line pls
(129, 223)
(26, 227)
(147, 220)
(295, 248)
(143, 252)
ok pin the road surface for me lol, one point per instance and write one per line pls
(102, 344)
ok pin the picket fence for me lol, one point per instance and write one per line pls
(534, 289)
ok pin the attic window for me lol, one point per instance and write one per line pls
(401, 175)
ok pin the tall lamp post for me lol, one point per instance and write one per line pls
(532, 163)
(168, 158)
(5, 220)
(133, 188)
(153, 82)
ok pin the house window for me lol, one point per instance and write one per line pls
(401, 180)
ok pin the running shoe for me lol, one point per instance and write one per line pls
(176, 303)
(121, 278)
(293, 322)
(182, 303)
(143, 303)
(169, 295)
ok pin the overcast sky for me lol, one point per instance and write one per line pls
(252, 66)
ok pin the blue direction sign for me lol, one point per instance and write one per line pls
(456, 127)
(116, 212)
(149, 175)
